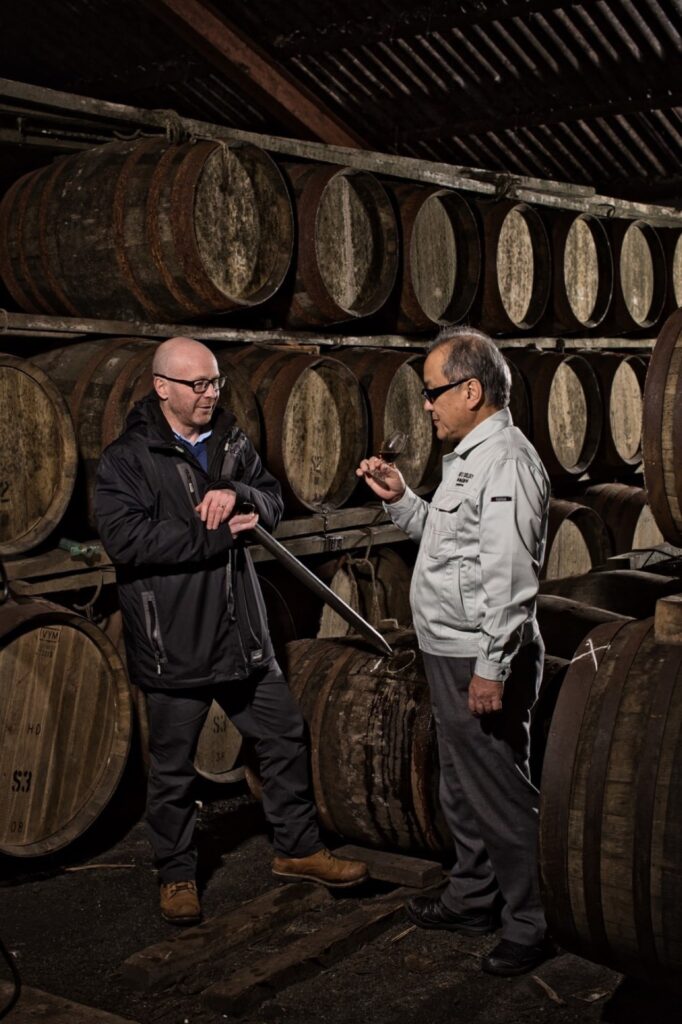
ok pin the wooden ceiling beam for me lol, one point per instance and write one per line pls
(239, 58)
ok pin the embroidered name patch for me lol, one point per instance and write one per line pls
(463, 479)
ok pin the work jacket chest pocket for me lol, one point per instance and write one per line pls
(444, 524)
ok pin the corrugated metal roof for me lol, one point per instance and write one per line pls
(589, 92)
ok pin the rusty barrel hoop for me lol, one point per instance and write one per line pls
(65, 720)
(611, 805)
(662, 430)
(38, 468)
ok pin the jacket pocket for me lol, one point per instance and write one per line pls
(153, 628)
(441, 538)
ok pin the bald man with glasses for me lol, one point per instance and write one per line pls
(481, 545)
(176, 495)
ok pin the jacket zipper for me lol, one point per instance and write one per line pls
(152, 621)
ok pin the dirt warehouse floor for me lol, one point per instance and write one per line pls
(70, 924)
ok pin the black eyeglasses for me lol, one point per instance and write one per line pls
(200, 386)
(431, 394)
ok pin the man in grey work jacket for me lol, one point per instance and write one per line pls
(481, 544)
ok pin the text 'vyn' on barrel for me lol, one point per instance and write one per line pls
(65, 726)
(611, 804)
(315, 423)
(346, 256)
(147, 230)
(38, 455)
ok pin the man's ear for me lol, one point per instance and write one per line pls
(475, 395)
(160, 388)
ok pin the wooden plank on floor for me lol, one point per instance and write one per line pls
(36, 1006)
(398, 868)
(168, 963)
(305, 956)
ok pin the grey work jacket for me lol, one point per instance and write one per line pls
(481, 545)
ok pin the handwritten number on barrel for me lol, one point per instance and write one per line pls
(21, 781)
(4, 492)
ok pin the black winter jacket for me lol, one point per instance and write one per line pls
(192, 607)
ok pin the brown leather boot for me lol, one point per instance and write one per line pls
(322, 867)
(180, 902)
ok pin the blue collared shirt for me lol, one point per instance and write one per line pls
(198, 448)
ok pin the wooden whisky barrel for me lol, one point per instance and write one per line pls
(101, 381)
(38, 455)
(662, 430)
(373, 716)
(565, 622)
(65, 726)
(627, 515)
(516, 268)
(621, 383)
(566, 409)
(392, 384)
(147, 230)
(626, 591)
(346, 257)
(315, 423)
(671, 240)
(582, 271)
(611, 805)
(440, 256)
(577, 540)
(639, 285)
(376, 586)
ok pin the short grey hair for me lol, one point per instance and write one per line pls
(471, 353)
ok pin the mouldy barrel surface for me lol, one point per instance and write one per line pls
(566, 409)
(582, 271)
(65, 726)
(611, 805)
(516, 267)
(147, 230)
(662, 427)
(440, 263)
(315, 423)
(347, 245)
(38, 455)
(639, 276)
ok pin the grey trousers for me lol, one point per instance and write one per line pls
(263, 710)
(489, 802)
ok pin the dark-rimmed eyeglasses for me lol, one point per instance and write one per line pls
(431, 394)
(200, 386)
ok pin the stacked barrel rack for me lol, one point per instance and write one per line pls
(122, 244)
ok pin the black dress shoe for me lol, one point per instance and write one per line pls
(509, 958)
(431, 912)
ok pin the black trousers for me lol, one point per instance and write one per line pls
(489, 802)
(262, 709)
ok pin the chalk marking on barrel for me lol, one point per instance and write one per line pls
(592, 651)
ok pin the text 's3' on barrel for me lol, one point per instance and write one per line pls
(65, 726)
(662, 430)
(147, 230)
(611, 805)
